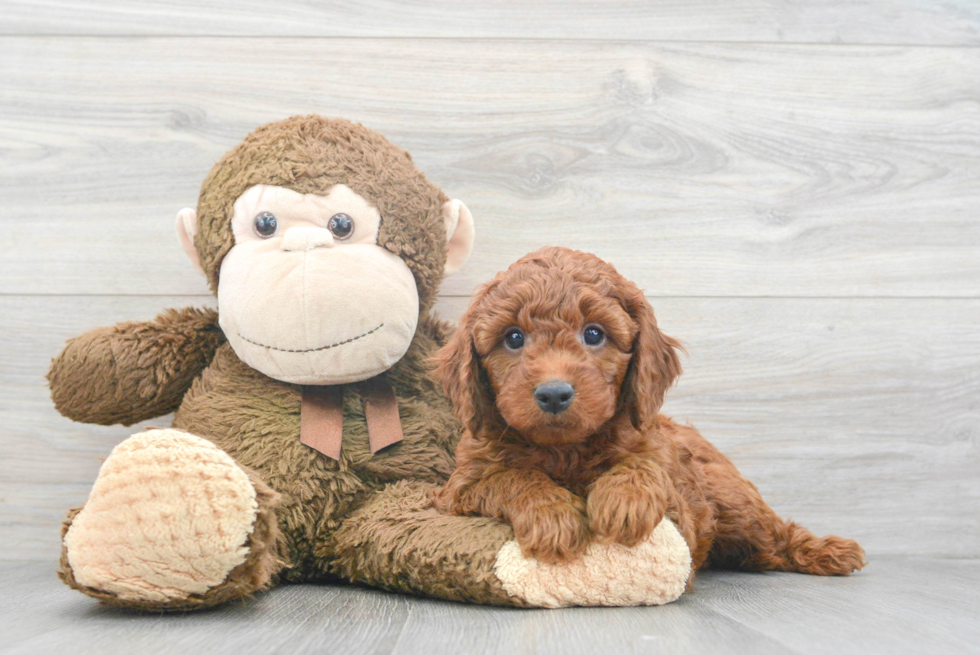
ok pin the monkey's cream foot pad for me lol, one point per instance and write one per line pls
(169, 516)
(654, 572)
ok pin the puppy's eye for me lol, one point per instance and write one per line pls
(341, 226)
(514, 339)
(266, 224)
(593, 336)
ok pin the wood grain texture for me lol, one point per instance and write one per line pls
(701, 169)
(854, 416)
(895, 606)
(953, 22)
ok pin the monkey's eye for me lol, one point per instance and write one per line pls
(593, 335)
(341, 226)
(266, 224)
(514, 339)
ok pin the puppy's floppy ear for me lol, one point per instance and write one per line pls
(653, 368)
(457, 367)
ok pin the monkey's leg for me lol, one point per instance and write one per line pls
(399, 541)
(172, 523)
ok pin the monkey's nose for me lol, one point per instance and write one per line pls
(306, 238)
(555, 396)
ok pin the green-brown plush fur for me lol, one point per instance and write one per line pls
(399, 540)
(256, 420)
(132, 371)
(357, 518)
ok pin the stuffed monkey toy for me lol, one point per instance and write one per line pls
(307, 437)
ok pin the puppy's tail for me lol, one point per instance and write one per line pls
(799, 550)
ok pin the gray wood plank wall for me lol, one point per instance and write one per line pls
(795, 184)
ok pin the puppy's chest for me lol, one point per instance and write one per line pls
(567, 469)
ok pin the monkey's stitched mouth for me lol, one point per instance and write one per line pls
(312, 350)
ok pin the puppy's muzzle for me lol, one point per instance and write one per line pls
(555, 396)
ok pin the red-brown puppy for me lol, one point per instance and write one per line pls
(557, 372)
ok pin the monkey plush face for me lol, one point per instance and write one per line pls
(306, 295)
(324, 244)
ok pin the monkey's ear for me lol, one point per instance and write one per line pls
(186, 229)
(459, 234)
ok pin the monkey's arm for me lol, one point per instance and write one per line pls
(397, 540)
(134, 371)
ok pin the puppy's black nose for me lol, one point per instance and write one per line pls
(554, 397)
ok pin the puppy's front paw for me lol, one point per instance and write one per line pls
(623, 513)
(554, 531)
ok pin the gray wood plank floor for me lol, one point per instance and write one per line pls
(699, 169)
(894, 606)
(951, 22)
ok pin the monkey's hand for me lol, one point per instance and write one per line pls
(134, 371)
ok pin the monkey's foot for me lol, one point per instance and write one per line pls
(172, 523)
(654, 572)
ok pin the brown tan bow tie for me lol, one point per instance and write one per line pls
(321, 416)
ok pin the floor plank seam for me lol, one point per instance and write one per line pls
(528, 39)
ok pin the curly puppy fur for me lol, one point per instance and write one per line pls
(608, 466)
